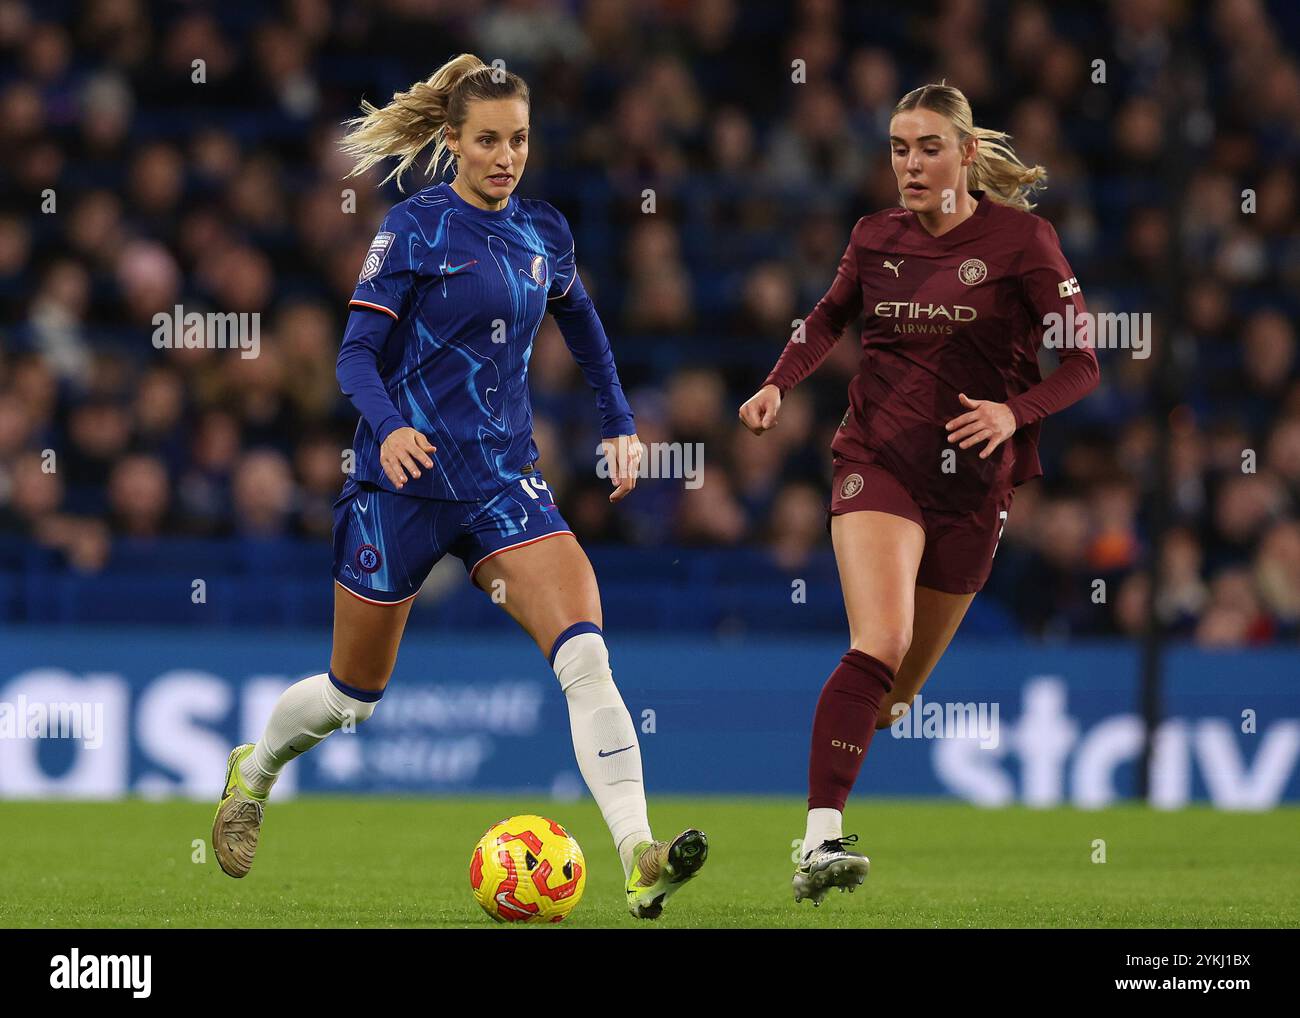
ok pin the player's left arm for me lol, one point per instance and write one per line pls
(1050, 289)
(575, 314)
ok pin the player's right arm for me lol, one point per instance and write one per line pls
(381, 297)
(809, 346)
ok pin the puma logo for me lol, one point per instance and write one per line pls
(891, 265)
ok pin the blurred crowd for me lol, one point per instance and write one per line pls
(130, 187)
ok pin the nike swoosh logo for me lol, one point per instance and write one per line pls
(452, 269)
(601, 752)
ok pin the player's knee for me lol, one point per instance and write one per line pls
(363, 677)
(887, 644)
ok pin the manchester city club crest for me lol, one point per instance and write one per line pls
(972, 271)
(851, 486)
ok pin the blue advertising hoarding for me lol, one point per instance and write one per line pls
(157, 710)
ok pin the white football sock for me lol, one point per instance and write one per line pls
(604, 740)
(304, 715)
(823, 825)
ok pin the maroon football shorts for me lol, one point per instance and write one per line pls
(959, 546)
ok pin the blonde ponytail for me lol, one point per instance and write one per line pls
(416, 118)
(997, 170)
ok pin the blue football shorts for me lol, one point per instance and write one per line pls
(385, 542)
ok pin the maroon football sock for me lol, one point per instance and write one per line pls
(843, 726)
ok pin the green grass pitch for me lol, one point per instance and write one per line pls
(335, 862)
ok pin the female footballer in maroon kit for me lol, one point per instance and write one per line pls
(959, 286)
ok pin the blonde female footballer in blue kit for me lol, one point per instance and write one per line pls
(435, 359)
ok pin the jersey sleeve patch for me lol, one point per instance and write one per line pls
(374, 259)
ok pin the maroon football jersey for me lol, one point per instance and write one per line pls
(960, 313)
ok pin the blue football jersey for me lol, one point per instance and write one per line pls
(467, 288)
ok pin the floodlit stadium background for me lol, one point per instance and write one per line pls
(173, 566)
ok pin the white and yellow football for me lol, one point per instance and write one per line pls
(527, 869)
